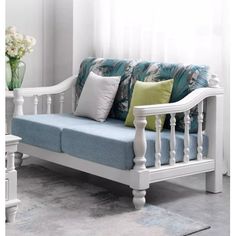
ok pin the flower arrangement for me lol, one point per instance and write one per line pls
(16, 46)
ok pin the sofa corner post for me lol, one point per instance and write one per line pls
(214, 129)
(139, 180)
(18, 102)
(11, 214)
(18, 111)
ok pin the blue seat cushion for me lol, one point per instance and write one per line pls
(111, 143)
(44, 130)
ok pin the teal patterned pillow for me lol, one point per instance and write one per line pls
(186, 79)
(109, 67)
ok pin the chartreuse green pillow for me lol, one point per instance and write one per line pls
(149, 93)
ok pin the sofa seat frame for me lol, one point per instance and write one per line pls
(139, 178)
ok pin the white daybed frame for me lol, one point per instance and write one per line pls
(139, 178)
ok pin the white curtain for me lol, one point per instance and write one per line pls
(187, 31)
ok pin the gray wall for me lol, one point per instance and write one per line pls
(73, 39)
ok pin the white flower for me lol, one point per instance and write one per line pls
(17, 44)
(11, 30)
(12, 52)
(33, 41)
(8, 39)
(19, 37)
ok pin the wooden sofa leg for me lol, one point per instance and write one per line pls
(139, 198)
(11, 214)
(18, 159)
(214, 181)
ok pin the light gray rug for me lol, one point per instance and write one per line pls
(54, 204)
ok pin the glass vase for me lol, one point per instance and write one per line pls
(15, 71)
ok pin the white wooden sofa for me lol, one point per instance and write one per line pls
(139, 177)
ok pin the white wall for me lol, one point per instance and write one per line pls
(34, 18)
(73, 39)
(63, 46)
(27, 16)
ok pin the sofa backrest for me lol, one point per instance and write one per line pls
(186, 79)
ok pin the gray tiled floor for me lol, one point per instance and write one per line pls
(185, 196)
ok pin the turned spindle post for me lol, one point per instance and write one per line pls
(61, 101)
(199, 134)
(158, 142)
(36, 101)
(186, 136)
(18, 102)
(172, 139)
(49, 102)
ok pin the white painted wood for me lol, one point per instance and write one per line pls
(55, 89)
(186, 136)
(140, 177)
(10, 161)
(73, 96)
(180, 170)
(20, 93)
(214, 130)
(49, 102)
(140, 146)
(153, 175)
(36, 102)
(213, 81)
(18, 101)
(139, 180)
(117, 175)
(199, 133)
(139, 174)
(158, 142)
(183, 105)
(11, 214)
(11, 140)
(139, 198)
(140, 143)
(61, 101)
(9, 109)
(6, 188)
(11, 178)
(172, 139)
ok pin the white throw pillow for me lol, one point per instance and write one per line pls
(97, 96)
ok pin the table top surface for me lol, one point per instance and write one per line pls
(11, 138)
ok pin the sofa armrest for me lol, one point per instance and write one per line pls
(183, 105)
(213, 129)
(59, 88)
(38, 91)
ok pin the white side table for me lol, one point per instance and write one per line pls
(11, 200)
(9, 109)
(9, 97)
